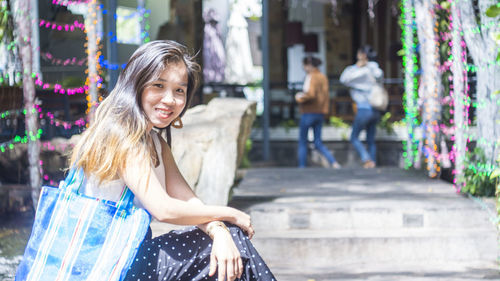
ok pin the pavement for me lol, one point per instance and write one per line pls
(356, 224)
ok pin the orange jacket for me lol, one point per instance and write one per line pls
(317, 97)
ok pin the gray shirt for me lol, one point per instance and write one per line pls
(361, 80)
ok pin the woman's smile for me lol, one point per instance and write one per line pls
(164, 113)
(164, 98)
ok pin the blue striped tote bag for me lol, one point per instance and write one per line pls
(76, 237)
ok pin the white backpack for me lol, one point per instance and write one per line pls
(379, 98)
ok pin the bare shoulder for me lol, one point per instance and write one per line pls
(166, 152)
(165, 148)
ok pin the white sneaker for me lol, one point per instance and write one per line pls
(335, 165)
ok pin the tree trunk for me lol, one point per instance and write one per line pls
(460, 98)
(430, 87)
(23, 34)
(487, 113)
(483, 51)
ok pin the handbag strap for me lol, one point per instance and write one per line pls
(76, 178)
(126, 199)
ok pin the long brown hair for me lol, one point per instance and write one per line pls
(120, 124)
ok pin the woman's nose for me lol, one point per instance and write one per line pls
(168, 97)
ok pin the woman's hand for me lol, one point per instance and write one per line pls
(298, 96)
(225, 256)
(243, 221)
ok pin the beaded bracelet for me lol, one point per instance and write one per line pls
(213, 224)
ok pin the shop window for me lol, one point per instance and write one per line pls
(128, 25)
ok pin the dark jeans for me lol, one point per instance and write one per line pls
(314, 120)
(366, 118)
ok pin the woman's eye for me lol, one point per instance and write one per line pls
(180, 91)
(158, 85)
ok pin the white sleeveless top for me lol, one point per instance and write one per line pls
(112, 190)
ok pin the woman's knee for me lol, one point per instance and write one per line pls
(354, 138)
(318, 144)
(233, 228)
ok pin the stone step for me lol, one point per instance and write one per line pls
(355, 224)
(331, 216)
(470, 270)
(310, 248)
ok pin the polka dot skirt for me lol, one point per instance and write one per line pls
(185, 255)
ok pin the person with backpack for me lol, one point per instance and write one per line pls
(362, 78)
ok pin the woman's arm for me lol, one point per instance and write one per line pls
(176, 185)
(178, 188)
(140, 177)
(311, 91)
(375, 70)
(225, 255)
(352, 75)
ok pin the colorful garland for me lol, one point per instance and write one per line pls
(453, 127)
(69, 2)
(61, 27)
(64, 62)
(410, 66)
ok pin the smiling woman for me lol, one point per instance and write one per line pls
(123, 150)
(165, 98)
(152, 93)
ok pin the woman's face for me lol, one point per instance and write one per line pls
(307, 67)
(362, 56)
(164, 99)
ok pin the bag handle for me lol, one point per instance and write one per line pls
(66, 182)
(126, 199)
(76, 178)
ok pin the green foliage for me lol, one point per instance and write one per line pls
(496, 176)
(493, 11)
(287, 124)
(443, 15)
(479, 182)
(245, 162)
(445, 5)
(6, 23)
(338, 122)
(72, 82)
(385, 124)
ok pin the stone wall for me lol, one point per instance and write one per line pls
(210, 147)
(284, 153)
(339, 52)
(284, 141)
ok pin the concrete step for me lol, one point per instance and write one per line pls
(449, 271)
(319, 214)
(355, 224)
(381, 254)
(308, 248)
